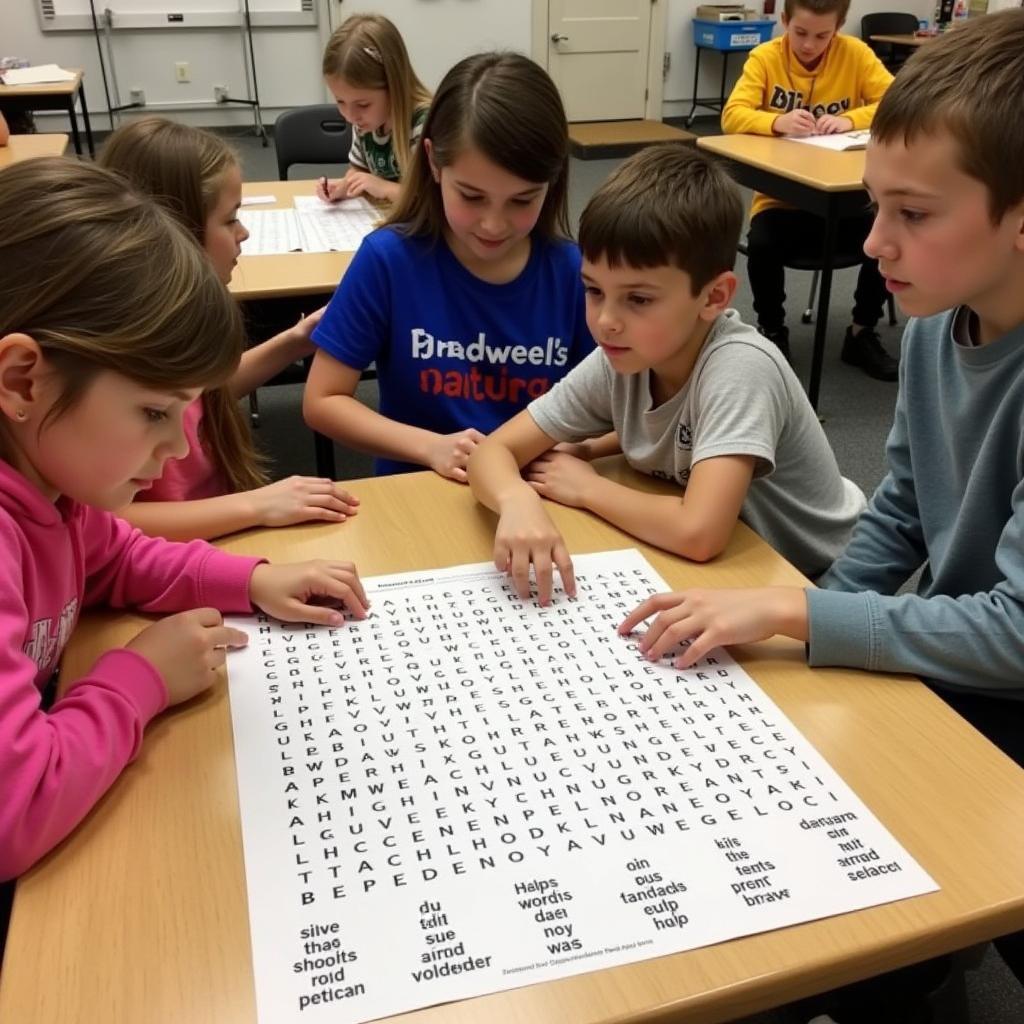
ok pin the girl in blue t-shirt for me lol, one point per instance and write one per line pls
(469, 299)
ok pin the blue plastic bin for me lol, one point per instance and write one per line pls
(731, 35)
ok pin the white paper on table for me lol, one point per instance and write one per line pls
(840, 141)
(257, 200)
(271, 232)
(38, 75)
(336, 227)
(466, 793)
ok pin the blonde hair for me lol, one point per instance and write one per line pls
(369, 53)
(506, 106)
(105, 281)
(183, 168)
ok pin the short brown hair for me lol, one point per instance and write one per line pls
(840, 8)
(507, 107)
(668, 204)
(970, 83)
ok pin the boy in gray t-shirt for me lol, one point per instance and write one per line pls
(693, 393)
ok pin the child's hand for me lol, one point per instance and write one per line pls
(526, 536)
(308, 591)
(797, 122)
(186, 648)
(303, 330)
(298, 499)
(830, 124)
(360, 183)
(713, 618)
(449, 454)
(561, 477)
(332, 191)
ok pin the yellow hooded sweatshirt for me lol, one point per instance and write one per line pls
(849, 80)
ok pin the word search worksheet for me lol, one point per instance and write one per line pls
(466, 792)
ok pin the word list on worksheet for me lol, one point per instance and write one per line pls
(466, 792)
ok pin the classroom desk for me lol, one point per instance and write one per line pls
(26, 147)
(289, 274)
(902, 40)
(819, 180)
(54, 96)
(140, 916)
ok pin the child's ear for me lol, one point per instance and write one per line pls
(21, 370)
(428, 148)
(718, 294)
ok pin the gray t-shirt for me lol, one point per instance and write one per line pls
(742, 398)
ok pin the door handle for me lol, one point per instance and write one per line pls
(557, 37)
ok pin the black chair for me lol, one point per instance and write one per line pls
(841, 261)
(882, 24)
(311, 135)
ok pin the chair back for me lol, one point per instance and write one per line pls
(311, 135)
(882, 23)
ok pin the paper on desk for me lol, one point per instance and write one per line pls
(841, 141)
(255, 200)
(37, 75)
(312, 226)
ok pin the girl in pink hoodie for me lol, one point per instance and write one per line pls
(111, 324)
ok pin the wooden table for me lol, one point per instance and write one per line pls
(287, 274)
(140, 916)
(53, 96)
(822, 181)
(902, 40)
(25, 147)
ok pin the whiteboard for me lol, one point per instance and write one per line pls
(75, 15)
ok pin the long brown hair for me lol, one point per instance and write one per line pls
(369, 53)
(507, 107)
(104, 280)
(183, 168)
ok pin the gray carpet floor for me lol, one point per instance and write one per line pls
(856, 413)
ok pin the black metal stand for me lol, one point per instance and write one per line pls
(115, 107)
(712, 104)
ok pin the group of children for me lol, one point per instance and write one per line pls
(122, 447)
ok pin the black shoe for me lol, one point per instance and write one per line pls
(778, 336)
(864, 349)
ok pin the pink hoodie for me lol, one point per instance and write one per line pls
(55, 559)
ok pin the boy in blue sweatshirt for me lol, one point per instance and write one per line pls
(945, 169)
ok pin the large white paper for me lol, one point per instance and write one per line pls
(466, 793)
(38, 75)
(312, 226)
(840, 141)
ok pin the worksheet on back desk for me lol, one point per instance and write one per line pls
(271, 232)
(466, 792)
(335, 227)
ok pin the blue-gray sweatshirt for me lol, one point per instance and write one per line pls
(952, 501)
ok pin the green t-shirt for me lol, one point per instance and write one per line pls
(373, 152)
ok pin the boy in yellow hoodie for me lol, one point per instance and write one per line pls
(810, 81)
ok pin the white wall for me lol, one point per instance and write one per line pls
(437, 32)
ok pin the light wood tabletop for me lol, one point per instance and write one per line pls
(25, 147)
(140, 916)
(822, 169)
(902, 40)
(68, 88)
(293, 273)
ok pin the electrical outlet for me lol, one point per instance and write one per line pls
(220, 93)
(137, 96)
(182, 72)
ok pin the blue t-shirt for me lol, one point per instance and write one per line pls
(452, 351)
